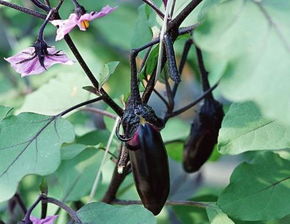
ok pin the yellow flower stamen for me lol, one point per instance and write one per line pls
(85, 24)
(142, 120)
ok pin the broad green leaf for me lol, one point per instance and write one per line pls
(72, 150)
(94, 138)
(245, 129)
(57, 95)
(107, 70)
(95, 213)
(249, 47)
(258, 190)
(30, 144)
(172, 130)
(216, 215)
(75, 177)
(142, 29)
(4, 112)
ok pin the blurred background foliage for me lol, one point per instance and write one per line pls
(108, 39)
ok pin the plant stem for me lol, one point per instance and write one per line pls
(180, 111)
(99, 111)
(203, 73)
(116, 181)
(23, 9)
(40, 5)
(90, 75)
(20, 202)
(175, 23)
(70, 211)
(79, 105)
(154, 7)
(76, 53)
(29, 211)
(184, 56)
(96, 182)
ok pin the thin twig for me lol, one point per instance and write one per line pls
(20, 202)
(78, 106)
(96, 182)
(177, 112)
(99, 111)
(70, 211)
(116, 181)
(23, 9)
(154, 7)
(176, 22)
(40, 5)
(184, 56)
(168, 9)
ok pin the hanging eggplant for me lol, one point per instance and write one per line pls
(147, 155)
(205, 127)
(203, 135)
(150, 167)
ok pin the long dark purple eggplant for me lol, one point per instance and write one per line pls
(150, 168)
(203, 135)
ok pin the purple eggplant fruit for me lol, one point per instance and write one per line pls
(203, 135)
(150, 167)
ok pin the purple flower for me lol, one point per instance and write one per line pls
(165, 2)
(36, 59)
(82, 21)
(47, 220)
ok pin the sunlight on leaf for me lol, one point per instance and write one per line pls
(245, 129)
(258, 190)
(75, 177)
(30, 144)
(95, 213)
(216, 215)
(249, 47)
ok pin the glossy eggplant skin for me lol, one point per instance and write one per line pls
(150, 168)
(203, 135)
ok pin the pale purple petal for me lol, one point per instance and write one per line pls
(47, 220)
(94, 15)
(60, 58)
(32, 65)
(65, 26)
(21, 56)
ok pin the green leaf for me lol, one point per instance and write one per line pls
(72, 150)
(216, 215)
(30, 144)
(75, 177)
(258, 190)
(196, 215)
(249, 47)
(142, 30)
(4, 112)
(107, 70)
(170, 133)
(94, 138)
(95, 213)
(57, 95)
(175, 150)
(245, 129)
